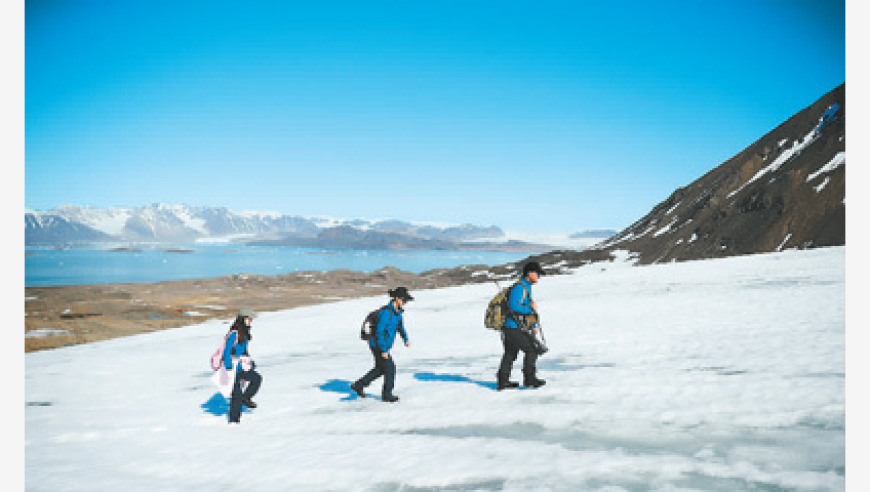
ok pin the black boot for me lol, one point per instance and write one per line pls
(534, 382)
(356, 389)
(390, 398)
(503, 380)
(530, 379)
(249, 403)
(507, 385)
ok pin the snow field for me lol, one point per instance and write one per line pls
(711, 375)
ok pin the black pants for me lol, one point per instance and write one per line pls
(254, 380)
(383, 367)
(514, 340)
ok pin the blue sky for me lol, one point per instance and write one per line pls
(534, 116)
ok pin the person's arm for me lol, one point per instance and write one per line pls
(403, 332)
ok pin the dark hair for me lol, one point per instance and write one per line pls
(242, 328)
(532, 266)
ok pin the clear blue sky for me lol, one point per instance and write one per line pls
(534, 116)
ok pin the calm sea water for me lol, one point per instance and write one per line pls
(90, 266)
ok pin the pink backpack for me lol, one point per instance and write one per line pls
(217, 357)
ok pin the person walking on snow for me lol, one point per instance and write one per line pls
(389, 322)
(516, 335)
(238, 361)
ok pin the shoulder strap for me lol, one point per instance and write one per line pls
(518, 319)
(525, 290)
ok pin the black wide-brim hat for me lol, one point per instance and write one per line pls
(402, 293)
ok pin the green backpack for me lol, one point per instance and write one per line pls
(498, 311)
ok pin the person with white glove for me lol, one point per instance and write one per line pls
(238, 361)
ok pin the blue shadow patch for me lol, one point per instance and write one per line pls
(340, 386)
(219, 406)
(454, 378)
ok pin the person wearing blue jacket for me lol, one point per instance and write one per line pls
(238, 361)
(517, 335)
(390, 322)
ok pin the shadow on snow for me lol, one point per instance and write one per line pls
(454, 378)
(219, 406)
(340, 386)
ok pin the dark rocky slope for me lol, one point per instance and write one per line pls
(786, 190)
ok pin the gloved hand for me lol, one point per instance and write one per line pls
(247, 363)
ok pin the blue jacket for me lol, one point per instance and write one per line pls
(519, 301)
(240, 349)
(389, 322)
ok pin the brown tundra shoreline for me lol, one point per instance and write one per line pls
(58, 316)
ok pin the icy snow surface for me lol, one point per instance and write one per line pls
(710, 375)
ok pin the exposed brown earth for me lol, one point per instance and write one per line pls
(727, 213)
(88, 313)
(724, 213)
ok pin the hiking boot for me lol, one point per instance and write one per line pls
(534, 383)
(356, 389)
(508, 385)
(249, 403)
(390, 398)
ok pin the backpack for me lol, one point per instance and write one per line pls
(498, 311)
(369, 324)
(217, 357)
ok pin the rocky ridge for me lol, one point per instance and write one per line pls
(786, 190)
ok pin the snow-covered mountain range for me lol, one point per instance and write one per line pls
(164, 223)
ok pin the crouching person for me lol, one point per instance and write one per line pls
(236, 358)
(381, 342)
